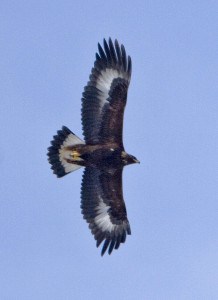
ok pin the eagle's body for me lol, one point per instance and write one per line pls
(102, 153)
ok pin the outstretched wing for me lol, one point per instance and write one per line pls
(103, 207)
(104, 97)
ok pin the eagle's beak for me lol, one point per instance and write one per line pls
(136, 161)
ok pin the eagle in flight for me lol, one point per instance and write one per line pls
(102, 152)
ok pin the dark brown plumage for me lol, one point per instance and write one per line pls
(102, 153)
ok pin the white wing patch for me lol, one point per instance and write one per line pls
(105, 80)
(102, 220)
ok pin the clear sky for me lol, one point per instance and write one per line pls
(47, 49)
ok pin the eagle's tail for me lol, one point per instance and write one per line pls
(60, 156)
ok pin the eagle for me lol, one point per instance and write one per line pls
(102, 152)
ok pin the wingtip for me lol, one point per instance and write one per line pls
(104, 41)
(111, 54)
(105, 246)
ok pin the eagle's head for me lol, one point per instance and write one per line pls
(128, 159)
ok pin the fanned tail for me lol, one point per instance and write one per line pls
(59, 156)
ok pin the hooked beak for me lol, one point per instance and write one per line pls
(136, 161)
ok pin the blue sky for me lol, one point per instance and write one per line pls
(171, 125)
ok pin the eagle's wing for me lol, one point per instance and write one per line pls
(103, 207)
(104, 97)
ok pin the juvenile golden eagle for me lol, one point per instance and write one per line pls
(102, 153)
